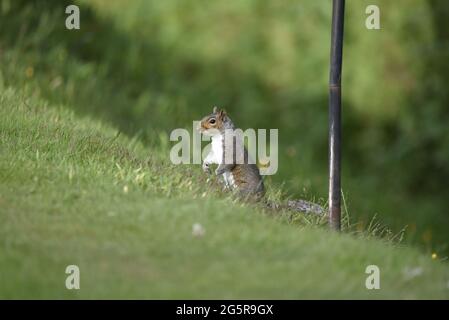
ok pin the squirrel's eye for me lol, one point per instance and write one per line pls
(212, 121)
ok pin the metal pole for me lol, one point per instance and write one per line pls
(338, 9)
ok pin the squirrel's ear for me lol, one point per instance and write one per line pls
(222, 114)
(215, 110)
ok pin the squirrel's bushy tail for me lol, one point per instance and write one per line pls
(305, 207)
(299, 205)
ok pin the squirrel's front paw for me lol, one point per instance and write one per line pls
(206, 167)
(219, 171)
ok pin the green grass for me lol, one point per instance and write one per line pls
(85, 177)
(147, 67)
(63, 201)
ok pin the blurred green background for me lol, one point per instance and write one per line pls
(148, 67)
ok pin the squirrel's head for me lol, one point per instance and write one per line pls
(213, 123)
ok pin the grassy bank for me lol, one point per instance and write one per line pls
(148, 67)
(73, 192)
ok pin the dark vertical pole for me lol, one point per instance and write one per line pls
(338, 10)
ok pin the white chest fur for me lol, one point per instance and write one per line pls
(216, 156)
(217, 149)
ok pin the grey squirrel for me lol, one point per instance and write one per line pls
(238, 172)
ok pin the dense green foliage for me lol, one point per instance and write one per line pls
(150, 66)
